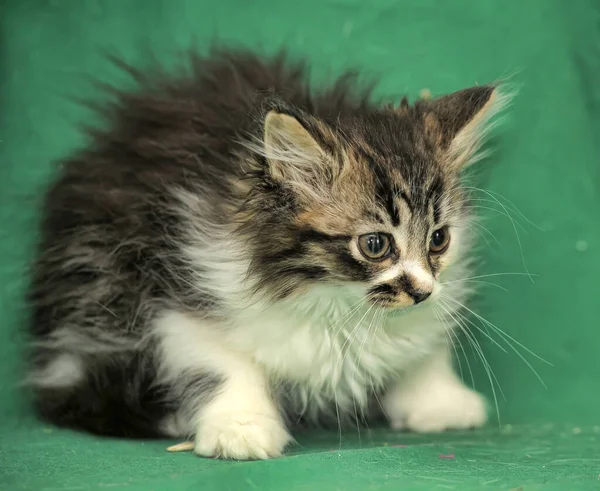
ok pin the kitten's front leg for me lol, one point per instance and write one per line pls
(241, 422)
(239, 418)
(432, 398)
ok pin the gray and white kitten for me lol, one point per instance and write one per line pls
(235, 253)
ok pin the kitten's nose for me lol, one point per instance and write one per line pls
(419, 296)
(417, 283)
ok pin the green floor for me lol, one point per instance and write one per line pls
(546, 164)
(513, 458)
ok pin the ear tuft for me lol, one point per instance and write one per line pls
(289, 146)
(459, 122)
(294, 156)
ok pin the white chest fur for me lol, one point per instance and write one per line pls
(332, 347)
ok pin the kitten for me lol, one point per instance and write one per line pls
(236, 253)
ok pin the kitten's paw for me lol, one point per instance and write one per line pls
(242, 437)
(446, 407)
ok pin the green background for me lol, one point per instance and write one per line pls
(545, 165)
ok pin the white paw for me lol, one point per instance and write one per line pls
(444, 407)
(241, 436)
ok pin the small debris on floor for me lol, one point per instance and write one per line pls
(449, 456)
(181, 447)
(581, 245)
(399, 446)
(576, 431)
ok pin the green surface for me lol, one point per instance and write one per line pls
(545, 164)
(514, 458)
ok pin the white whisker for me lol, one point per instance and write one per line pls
(474, 343)
(352, 336)
(380, 316)
(337, 413)
(493, 274)
(451, 336)
(510, 204)
(462, 319)
(485, 333)
(475, 281)
(508, 340)
(512, 222)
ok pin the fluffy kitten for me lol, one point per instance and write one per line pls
(235, 253)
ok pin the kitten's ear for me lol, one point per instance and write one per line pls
(294, 156)
(459, 122)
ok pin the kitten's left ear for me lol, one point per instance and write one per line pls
(295, 157)
(459, 122)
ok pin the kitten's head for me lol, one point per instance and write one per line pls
(373, 199)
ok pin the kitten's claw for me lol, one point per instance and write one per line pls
(242, 437)
(181, 447)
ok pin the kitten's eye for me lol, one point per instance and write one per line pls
(439, 240)
(375, 247)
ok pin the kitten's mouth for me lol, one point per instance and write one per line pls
(393, 307)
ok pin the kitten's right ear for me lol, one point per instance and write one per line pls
(459, 122)
(294, 156)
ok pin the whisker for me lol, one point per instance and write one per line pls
(350, 339)
(449, 336)
(358, 363)
(462, 348)
(377, 313)
(475, 281)
(340, 324)
(493, 202)
(507, 339)
(337, 413)
(473, 341)
(511, 205)
(496, 274)
(337, 328)
(346, 318)
(503, 333)
(480, 348)
(486, 334)
(480, 230)
(513, 225)
(495, 210)
(380, 315)
(373, 388)
(357, 421)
